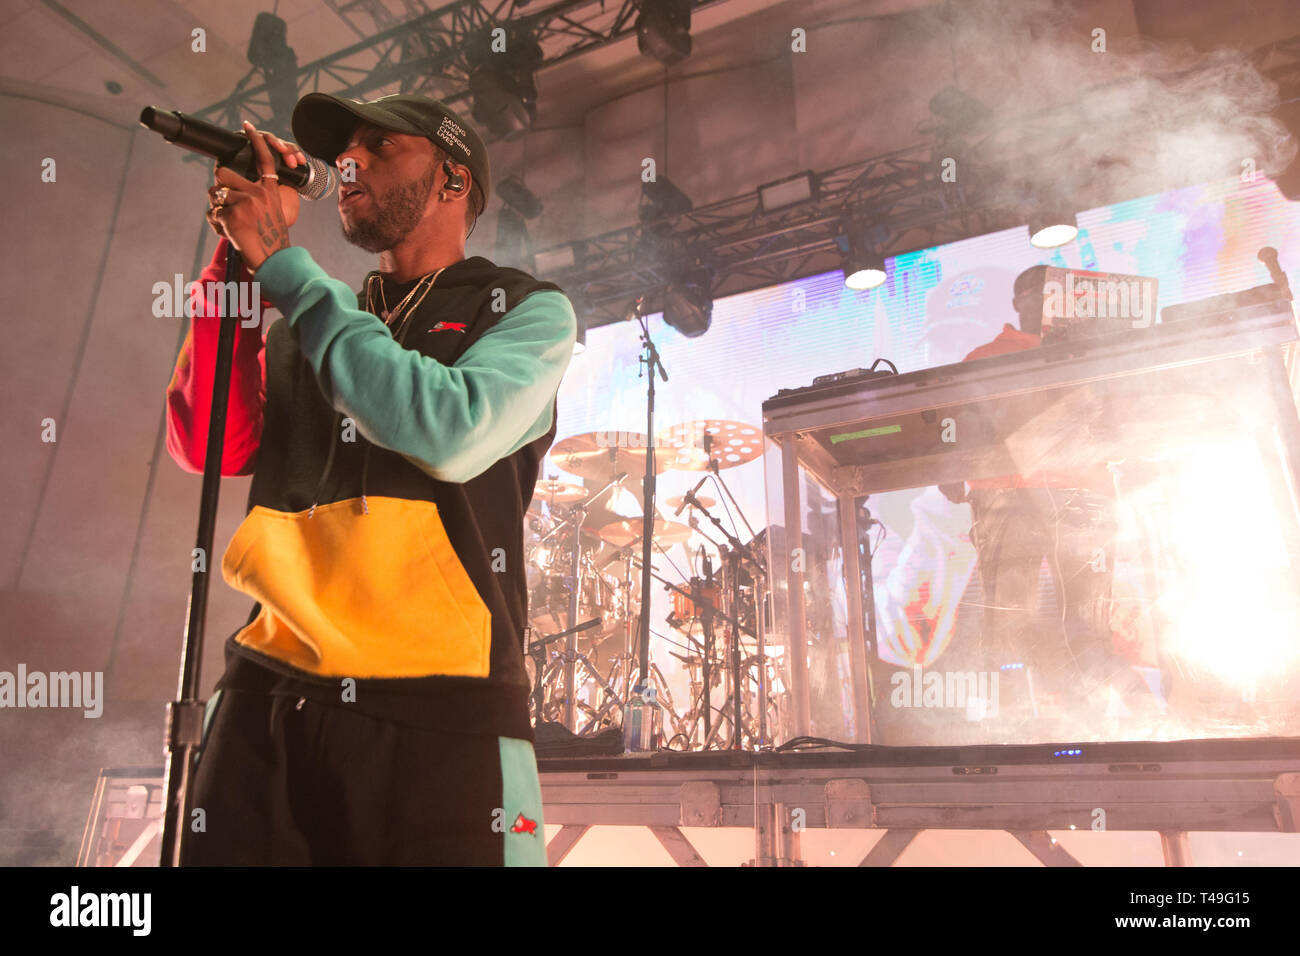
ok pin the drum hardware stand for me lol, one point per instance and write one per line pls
(706, 625)
(537, 650)
(733, 553)
(761, 591)
(727, 614)
(576, 517)
(666, 702)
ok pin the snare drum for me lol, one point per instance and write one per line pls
(685, 609)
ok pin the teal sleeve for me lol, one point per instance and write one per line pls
(453, 421)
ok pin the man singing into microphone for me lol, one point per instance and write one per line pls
(374, 709)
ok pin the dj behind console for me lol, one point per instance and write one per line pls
(1084, 395)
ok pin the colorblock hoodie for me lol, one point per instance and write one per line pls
(383, 543)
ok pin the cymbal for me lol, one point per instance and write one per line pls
(675, 502)
(731, 443)
(622, 533)
(557, 492)
(602, 455)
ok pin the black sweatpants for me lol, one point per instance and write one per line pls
(287, 781)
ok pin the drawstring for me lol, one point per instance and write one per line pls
(329, 460)
(365, 467)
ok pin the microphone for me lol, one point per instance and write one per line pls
(234, 151)
(686, 498)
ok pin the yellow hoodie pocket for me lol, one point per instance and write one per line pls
(350, 594)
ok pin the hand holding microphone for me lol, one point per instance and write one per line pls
(255, 215)
(254, 199)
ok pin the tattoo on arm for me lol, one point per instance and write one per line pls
(273, 233)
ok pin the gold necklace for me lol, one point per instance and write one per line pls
(390, 317)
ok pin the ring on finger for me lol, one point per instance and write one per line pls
(222, 193)
(270, 176)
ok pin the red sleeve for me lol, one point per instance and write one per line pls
(189, 395)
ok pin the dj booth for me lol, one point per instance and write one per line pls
(1137, 393)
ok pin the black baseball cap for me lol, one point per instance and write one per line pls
(322, 125)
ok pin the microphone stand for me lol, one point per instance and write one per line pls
(650, 364)
(185, 714)
(705, 611)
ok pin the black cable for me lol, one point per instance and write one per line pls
(808, 743)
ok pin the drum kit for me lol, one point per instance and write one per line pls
(585, 578)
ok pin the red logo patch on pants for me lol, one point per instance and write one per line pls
(524, 825)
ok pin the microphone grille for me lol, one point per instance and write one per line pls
(321, 182)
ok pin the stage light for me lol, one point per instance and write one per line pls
(688, 303)
(501, 84)
(663, 30)
(956, 112)
(864, 270)
(519, 197)
(556, 259)
(660, 199)
(791, 191)
(269, 51)
(1051, 226)
(864, 258)
(269, 42)
(512, 238)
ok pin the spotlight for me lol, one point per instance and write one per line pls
(269, 42)
(688, 302)
(660, 199)
(501, 83)
(956, 112)
(268, 50)
(864, 264)
(512, 238)
(519, 197)
(663, 30)
(1051, 226)
(556, 259)
(865, 270)
(791, 191)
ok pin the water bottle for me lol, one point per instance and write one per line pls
(650, 720)
(633, 721)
